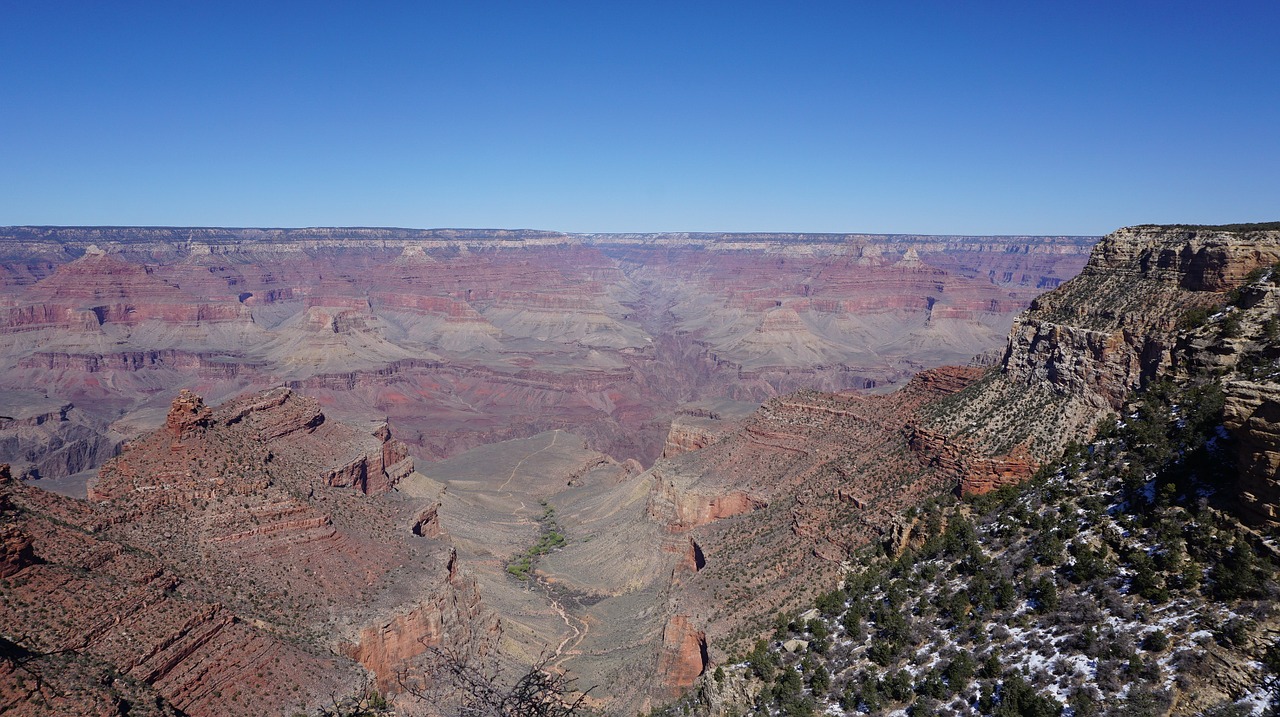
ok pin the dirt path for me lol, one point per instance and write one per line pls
(571, 641)
(562, 654)
(555, 434)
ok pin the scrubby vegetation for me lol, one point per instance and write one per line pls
(549, 539)
(1233, 228)
(1112, 583)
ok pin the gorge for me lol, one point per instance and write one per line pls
(624, 454)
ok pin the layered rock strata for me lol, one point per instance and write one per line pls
(1080, 350)
(465, 337)
(787, 498)
(1241, 345)
(244, 558)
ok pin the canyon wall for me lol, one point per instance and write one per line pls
(243, 558)
(1078, 352)
(464, 337)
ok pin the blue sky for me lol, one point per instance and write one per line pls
(913, 117)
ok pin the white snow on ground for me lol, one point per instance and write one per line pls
(1258, 700)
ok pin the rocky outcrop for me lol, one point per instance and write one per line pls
(15, 545)
(15, 550)
(974, 474)
(700, 424)
(449, 617)
(1080, 350)
(427, 523)
(733, 695)
(680, 509)
(1252, 415)
(683, 657)
(1112, 328)
(1196, 258)
(684, 436)
(187, 415)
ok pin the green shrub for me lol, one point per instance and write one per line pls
(1156, 641)
(1194, 318)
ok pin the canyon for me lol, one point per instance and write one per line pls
(535, 376)
(459, 338)
(621, 454)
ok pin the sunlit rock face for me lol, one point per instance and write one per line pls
(465, 337)
(241, 559)
(1081, 350)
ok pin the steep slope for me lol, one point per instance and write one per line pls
(72, 596)
(783, 503)
(1123, 579)
(1117, 592)
(245, 558)
(1079, 351)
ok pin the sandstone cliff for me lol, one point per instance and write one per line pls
(1080, 350)
(1239, 347)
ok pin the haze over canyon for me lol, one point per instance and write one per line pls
(464, 337)
(534, 376)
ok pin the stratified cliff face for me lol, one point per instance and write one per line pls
(243, 559)
(1079, 351)
(1240, 345)
(1252, 415)
(467, 337)
(1112, 328)
(88, 612)
(779, 505)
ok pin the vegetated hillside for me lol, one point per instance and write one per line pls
(1119, 580)
(1112, 583)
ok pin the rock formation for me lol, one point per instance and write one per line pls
(1252, 415)
(1241, 344)
(224, 567)
(784, 500)
(459, 340)
(1080, 350)
(684, 655)
(266, 526)
(461, 337)
(187, 415)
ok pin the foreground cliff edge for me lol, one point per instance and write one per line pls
(1168, 341)
(321, 545)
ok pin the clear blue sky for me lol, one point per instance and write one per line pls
(931, 117)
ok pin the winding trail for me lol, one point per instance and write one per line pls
(578, 633)
(558, 659)
(555, 434)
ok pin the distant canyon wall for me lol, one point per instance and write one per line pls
(465, 337)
